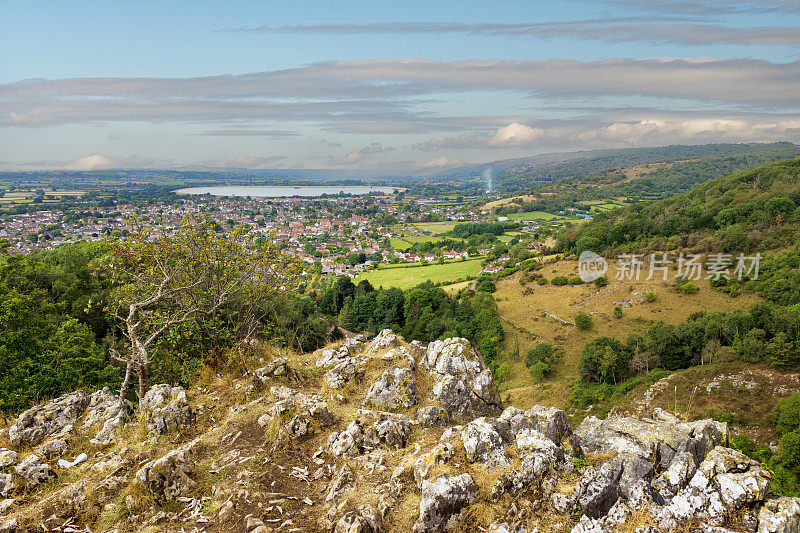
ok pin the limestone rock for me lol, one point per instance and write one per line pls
(276, 368)
(166, 408)
(370, 429)
(168, 477)
(41, 421)
(351, 347)
(463, 386)
(443, 501)
(384, 340)
(35, 471)
(53, 448)
(7, 457)
(432, 416)
(598, 490)
(439, 454)
(534, 467)
(394, 388)
(484, 443)
(107, 409)
(6, 505)
(6, 485)
(365, 520)
(343, 372)
(781, 515)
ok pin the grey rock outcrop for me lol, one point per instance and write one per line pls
(39, 422)
(107, 410)
(365, 520)
(277, 368)
(166, 409)
(443, 501)
(6, 484)
(439, 454)
(781, 515)
(168, 477)
(395, 388)
(7, 457)
(370, 429)
(343, 372)
(432, 416)
(463, 386)
(484, 443)
(35, 471)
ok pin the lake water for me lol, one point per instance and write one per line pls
(283, 191)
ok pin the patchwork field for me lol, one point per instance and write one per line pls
(437, 228)
(408, 277)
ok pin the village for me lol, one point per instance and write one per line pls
(343, 235)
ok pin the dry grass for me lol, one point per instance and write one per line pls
(526, 324)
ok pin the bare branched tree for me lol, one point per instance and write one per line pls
(190, 272)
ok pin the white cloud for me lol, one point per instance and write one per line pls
(516, 134)
(441, 162)
(100, 162)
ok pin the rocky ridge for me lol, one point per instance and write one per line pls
(372, 435)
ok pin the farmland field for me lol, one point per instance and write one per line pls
(539, 215)
(408, 277)
(437, 228)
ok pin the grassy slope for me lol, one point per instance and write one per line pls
(526, 324)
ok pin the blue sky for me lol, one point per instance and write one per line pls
(400, 87)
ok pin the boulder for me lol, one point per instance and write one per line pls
(443, 501)
(167, 478)
(432, 416)
(439, 454)
(677, 476)
(39, 422)
(365, 520)
(463, 386)
(394, 388)
(484, 443)
(598, 490)
(53, 448)
(343, 372)
(657, 440)
(7, 457)
(534, 467)
(278, 367)
(725, 482)
(370, 429)
(781, 515)
(310, 410)
(106, 409)
(166, 409)
(35, 471)
(351, 347)
(6, 485)
(384, 340)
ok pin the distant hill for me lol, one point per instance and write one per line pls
(519, 174)
(750, 210)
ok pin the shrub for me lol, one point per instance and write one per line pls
(541, 281)
(787, 415)
(575, 280)
(618, 312)
(602, 281)
(651, 297)
(539, 370)
(583, 321)
(689, 288)
(560, 280)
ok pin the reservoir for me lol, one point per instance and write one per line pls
(284, 191)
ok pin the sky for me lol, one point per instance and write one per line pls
(391, 87)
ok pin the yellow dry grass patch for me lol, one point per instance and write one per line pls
(527, 321)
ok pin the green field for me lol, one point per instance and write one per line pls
(437, 228)
(539, 215)
(405, 278)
